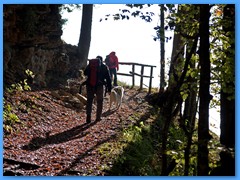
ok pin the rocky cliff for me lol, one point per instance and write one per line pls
(32, 40)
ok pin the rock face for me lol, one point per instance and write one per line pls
(32, 40)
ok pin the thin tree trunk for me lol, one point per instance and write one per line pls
(176, 57)
(189, 117)
(176, 60)
(177, 73)
(227, 136)
(205, 97)
(162, 46)
(167, 112)
(85, 34)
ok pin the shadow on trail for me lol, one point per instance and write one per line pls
(77, 160)
(137, 98)
(73, 133)
(133, 97)
(108, 113)
(140, 157)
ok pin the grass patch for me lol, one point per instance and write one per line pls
(135, 152)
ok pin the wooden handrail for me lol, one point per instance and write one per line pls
(133, 73)
(138, 64)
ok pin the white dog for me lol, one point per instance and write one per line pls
(116, 97)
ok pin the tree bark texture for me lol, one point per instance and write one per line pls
(227, 126)
(176, 64)
(189, 116)
(204, 94)
(85, 34)
(162, 46)
(169, 109)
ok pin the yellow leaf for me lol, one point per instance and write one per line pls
(218, 12)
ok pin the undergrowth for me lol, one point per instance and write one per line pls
(9, 116)
(137, 151)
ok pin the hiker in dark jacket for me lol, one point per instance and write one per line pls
(97, 77)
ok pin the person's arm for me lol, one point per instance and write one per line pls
(108, 79)
(117, 63)
(86, 71)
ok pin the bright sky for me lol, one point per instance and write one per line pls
(132, 40)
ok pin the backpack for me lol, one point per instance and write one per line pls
(107, 60)
(94, 67)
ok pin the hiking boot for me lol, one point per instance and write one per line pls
(88, 120)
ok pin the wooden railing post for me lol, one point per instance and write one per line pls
(150, 81)
(141, 80)
(133, 72)
(141, 74)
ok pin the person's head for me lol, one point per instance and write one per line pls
(113, 53)
(100, 58)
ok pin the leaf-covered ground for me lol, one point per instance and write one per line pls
(54, 140)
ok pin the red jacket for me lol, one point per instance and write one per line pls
(113, 60)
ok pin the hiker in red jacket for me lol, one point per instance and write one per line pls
(97, 77)
(113, 66)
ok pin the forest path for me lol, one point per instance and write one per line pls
(55, 140)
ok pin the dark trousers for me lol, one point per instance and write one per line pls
(113, 74)
(91, 91)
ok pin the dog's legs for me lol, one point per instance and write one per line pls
(118, 103)
(113, 99)
(121, 98)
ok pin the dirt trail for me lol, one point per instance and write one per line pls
(55, 140)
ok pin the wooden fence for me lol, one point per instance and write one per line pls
(141, 74)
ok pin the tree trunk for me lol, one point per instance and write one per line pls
(171, 94)
(189, 121)
(189, 116)
(227, 126)
(170, 99)
(205, 97)
(170, 110)
(179, 67)
(166, 114)
(162, 46)
(85, 34)
(176, 64)
(176, 60)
